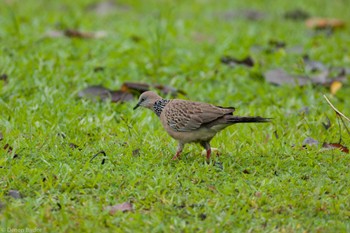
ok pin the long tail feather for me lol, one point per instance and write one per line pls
(238, 119)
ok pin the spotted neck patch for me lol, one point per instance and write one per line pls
(159, 106)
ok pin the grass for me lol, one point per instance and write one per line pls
(260, 183)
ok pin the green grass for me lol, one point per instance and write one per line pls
(260, 183)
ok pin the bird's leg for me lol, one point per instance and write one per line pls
(179, 150)
(206, 146)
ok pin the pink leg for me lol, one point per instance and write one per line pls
(208, 153)
(177, 155)
(206, 146)
(178, 152)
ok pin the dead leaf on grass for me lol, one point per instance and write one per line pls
(280, 77)
(231, 61)
(138, 88)
(324, 23)
(123, 207)
(335, 87)
(336, 146)
(14, 194)
(74, 33)
(103, 93)
(121, 96)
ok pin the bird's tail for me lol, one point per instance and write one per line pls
(238, 119)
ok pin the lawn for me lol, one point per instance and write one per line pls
(265, 179)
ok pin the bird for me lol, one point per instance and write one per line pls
(192, 122)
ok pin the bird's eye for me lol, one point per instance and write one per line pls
(142, 99)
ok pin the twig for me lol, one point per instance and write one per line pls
(336, 110)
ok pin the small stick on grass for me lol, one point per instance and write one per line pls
(336, 110)
(339, 114)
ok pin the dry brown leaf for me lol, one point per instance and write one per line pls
(231, 61)
(103, 93)
(124, 207)
(280, 77)
(14, 194)
(142, 87)
(323, 23)
(335, 87)
(336, 146)
(73, 33)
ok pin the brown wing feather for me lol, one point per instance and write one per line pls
(184, 116)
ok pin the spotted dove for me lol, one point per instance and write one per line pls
(188, 121)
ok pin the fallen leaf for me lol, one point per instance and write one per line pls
(135, 87)
(84, 35)
(14, 194)
(97, 91)
(228, 60)
(124, 207)
(103, 93)
(280, 77)
(310, 141)
(296, 14)
(73, 33)
(335, 87)
(336, 146)
(313, 66)
(121, 96)
(324, 23)
(142, 87)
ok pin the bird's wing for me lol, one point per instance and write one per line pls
(184, 116)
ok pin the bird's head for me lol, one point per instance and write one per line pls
(147, 100)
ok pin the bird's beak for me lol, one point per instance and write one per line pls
(137, 105)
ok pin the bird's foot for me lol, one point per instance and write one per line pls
(215, 151)
(177, 155)
(208, 154)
